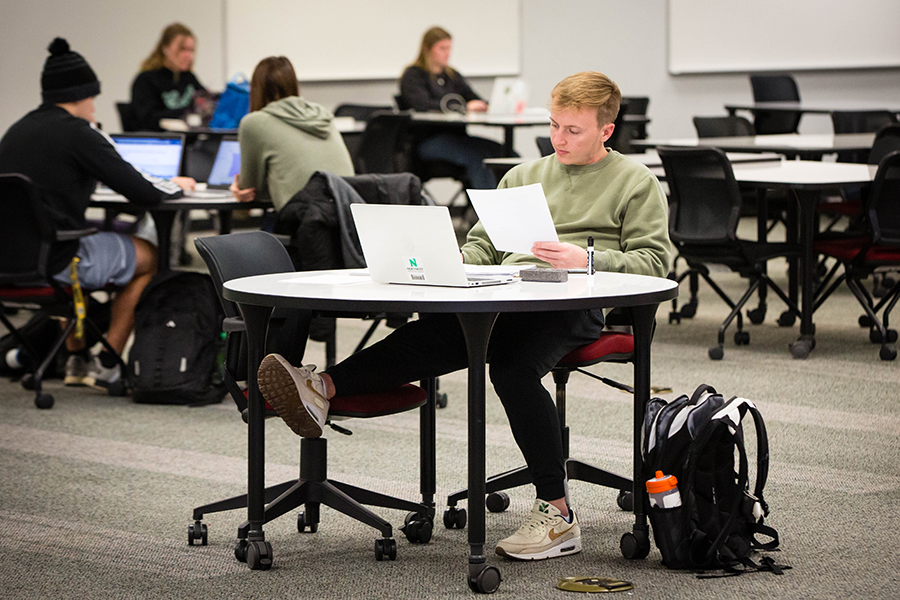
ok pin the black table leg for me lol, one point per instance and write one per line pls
(807, 199)
(163, 219)
(257, 551)
(477, 330)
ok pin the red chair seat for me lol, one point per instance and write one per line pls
(18, 293)
(610, 344)
(405, 397)
(847, 250)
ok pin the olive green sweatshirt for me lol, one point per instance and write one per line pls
(283, 144)
(617, 200)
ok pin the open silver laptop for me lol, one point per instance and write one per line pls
(413, 245)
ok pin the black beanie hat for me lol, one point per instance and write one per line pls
(67, 77)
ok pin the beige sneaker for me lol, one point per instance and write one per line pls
(77, 370)
(545, 534)
(296, 394)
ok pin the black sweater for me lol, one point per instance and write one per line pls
(422, 91)
(158, 95)
(65, 157)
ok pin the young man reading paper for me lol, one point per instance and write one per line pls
(591, 191)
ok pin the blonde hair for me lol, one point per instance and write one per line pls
(588, 89)
(157, 58)
(429, 39)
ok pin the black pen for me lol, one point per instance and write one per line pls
(590, 255)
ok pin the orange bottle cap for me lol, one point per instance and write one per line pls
(662, 483)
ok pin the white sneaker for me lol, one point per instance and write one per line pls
(101, 377)
(296, 394)
(545, 534)
(77, 370)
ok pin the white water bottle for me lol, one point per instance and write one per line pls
(663, 491)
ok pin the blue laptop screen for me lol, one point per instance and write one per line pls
(159, 156)
(227, 163)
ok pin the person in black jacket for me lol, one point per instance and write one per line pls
(59, 147)
(165, 87)
(430, 84)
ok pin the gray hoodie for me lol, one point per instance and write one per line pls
(283, 144)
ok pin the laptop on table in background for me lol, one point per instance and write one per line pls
(226, 165)
(414, 245)
(157, 154)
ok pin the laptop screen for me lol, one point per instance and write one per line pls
(156, 155)
(226, 165)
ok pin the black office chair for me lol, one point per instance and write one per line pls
(636, 105)
(361, 112)
(775, 88)
(127, 118)
(545, 146)
(613, 346)
(26, 239)
(859, 122)
(861, 256)
(704, 209)
(382, 145)
(723, 126)
(256, 253)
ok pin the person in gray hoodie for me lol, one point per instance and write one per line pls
(284, 139)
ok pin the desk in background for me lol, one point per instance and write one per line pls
(792, 145)
(825, 108)
(507, 122)
(476, 308)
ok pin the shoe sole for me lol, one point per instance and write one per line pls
(75, 380)
(279, 389)
(572, 546)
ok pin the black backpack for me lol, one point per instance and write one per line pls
(698, 440)
(178, 344)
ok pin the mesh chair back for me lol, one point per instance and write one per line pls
(775, 88)
(886, 141)
(705, 198)
(360, 112)
(884, 201)
(26, 235)
(381, 148)
(849, 121)
(545, 146)
(635, 105)
(725, 126)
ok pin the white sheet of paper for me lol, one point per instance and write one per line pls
(514, 218)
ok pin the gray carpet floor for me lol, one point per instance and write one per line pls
(96, 494)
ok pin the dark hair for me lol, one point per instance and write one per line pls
(157, 58)
(273, 79)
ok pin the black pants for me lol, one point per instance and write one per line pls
(522, 349)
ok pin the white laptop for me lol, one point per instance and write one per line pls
(413, 245)
(509, 95)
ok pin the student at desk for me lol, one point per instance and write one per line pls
(60, 149)
(431, 84)
(165, 87)
(591, 191)
(284, 139)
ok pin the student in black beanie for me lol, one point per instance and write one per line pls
(59, 148)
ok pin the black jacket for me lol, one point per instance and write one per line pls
(158, 95)
(65, 157)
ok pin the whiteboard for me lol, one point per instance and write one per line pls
(362, 39)
(720, 36)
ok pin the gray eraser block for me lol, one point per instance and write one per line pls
(548, 275)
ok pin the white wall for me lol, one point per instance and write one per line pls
(626, 40)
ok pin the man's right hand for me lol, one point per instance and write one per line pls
(242, 195)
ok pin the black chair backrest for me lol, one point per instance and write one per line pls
(724, 126)
(635, 105)
(381, 148)
(775, 88)
(544, 145)
(401, 102)
(886, 141)
(884, 201)
(26, 234)
(360, 112)
(242, 255)
(705, 198)
(849, 121)
(127, 116)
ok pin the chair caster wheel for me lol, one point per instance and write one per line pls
(303, 523)
(44, 401)
(485, 581)
(385, 548)
(716, 353)
(674, 317)
(625, 500)
(689, 310)
(497, 502)
(786, 319)
(418, 528)
(635, 545)
(741, 338)
(801, 349)
(240, 550)
(441, 400)
(888, 352)
(864, 321)
(28, 382)
(259, 555)
(757, 315)
(197, 531)
(455, 518)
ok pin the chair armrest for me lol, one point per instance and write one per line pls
(231, 324)
(74, 234)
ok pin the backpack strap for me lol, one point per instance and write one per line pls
(695, 397)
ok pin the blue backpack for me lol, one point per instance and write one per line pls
(233, 104)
